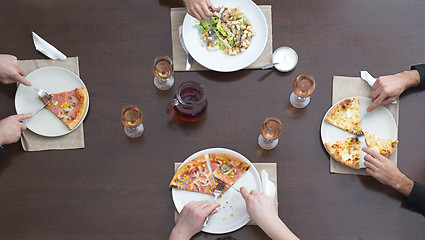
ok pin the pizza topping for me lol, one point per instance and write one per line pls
(346, 115)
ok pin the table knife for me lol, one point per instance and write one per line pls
(189, 58)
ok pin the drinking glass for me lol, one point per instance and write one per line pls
(189, 103)
(131, 118)
(270, 131)
(304, 86)
(163, 70)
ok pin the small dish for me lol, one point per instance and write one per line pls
(286, 58)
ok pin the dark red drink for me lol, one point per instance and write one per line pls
(190, 102)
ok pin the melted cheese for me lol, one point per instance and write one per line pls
(381, 145)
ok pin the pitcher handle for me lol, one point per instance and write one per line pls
(170, 106)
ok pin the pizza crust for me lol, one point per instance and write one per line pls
(82, 94)
(346, 151)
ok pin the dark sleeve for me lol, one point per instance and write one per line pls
(416, 198)
(421, 69)
(2, 152)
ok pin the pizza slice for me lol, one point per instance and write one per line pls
(227, 167)
(346, 151)
(194, 176)
(346, 115)
(69, 106)
(382, 145)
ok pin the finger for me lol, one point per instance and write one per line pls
(22, 126)
(22, 71)
(371, 152)
(244, 192)
(375, 103)
(23, 116)
(22, 80)
(211, 207)
(388, 100)
(370, 166)
(254, 192)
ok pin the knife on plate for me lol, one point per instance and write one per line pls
(189, 58)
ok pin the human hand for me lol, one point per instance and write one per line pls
(388, 88)
(383, 170)
(262, 210)
(10, 71)
(199, 8)
(11, 128)
(191, 219)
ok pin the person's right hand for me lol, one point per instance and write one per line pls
(10, 71)
(11, 128)
(199, 8)
(383, 170)
(388, 88)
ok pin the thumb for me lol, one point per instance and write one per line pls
(244, 193)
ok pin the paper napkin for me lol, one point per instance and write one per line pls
(365, 75)
(269, 188)
(46, 48)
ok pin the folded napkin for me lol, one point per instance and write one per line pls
(365, 75)
(344, 87)
(179, 55)
(46, 48)
(34, 142)
(268, 181)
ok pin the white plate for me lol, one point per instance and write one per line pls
(379, 122)
(232, 213)
(217, 60)
(52, 80)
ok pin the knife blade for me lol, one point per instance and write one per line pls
(189, 58)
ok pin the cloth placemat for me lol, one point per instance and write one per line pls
(179, 55)
(344, 87)
(271, 169)
(34, 142)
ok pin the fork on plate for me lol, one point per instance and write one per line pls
(45, 97)
(217, 192)
(213, 33)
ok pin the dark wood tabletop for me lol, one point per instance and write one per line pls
(117, 187)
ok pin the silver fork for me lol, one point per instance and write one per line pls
(213, 33)
(45, 97)
(217, 192)
(360, 134)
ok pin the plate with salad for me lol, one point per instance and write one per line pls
(241, 35)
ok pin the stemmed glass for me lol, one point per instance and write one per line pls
(163, 70)
(270, 131)
(131, 118)
(304, 86)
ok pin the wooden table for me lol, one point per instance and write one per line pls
(117, 188)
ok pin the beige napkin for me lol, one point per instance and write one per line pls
(271, 169)
(34, 142)
(179, 55)
(344, 87)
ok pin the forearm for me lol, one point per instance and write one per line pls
(276, 229)
(411, 78)
(176, 234)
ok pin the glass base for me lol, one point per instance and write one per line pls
(267, 144)
(134, 132)
(298, 102)
(163, 84)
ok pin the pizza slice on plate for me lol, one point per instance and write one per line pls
(346, 115)
(69, 106)
(382, 145)
(227, 167)
(194, 176)
(346, 151)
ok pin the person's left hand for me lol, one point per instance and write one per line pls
(191, 219)
(10, 71)
(199, 8)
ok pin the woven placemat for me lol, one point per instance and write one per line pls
(179, 55)
(271, 169)
(344, 87)
(34, 142)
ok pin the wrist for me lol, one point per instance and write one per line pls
(404, 185)
(178, 234)
(412, 78)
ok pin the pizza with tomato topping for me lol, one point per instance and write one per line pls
(69, 106)
(197, 176)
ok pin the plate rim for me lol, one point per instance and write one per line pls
(218, 150)
(68, 72)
